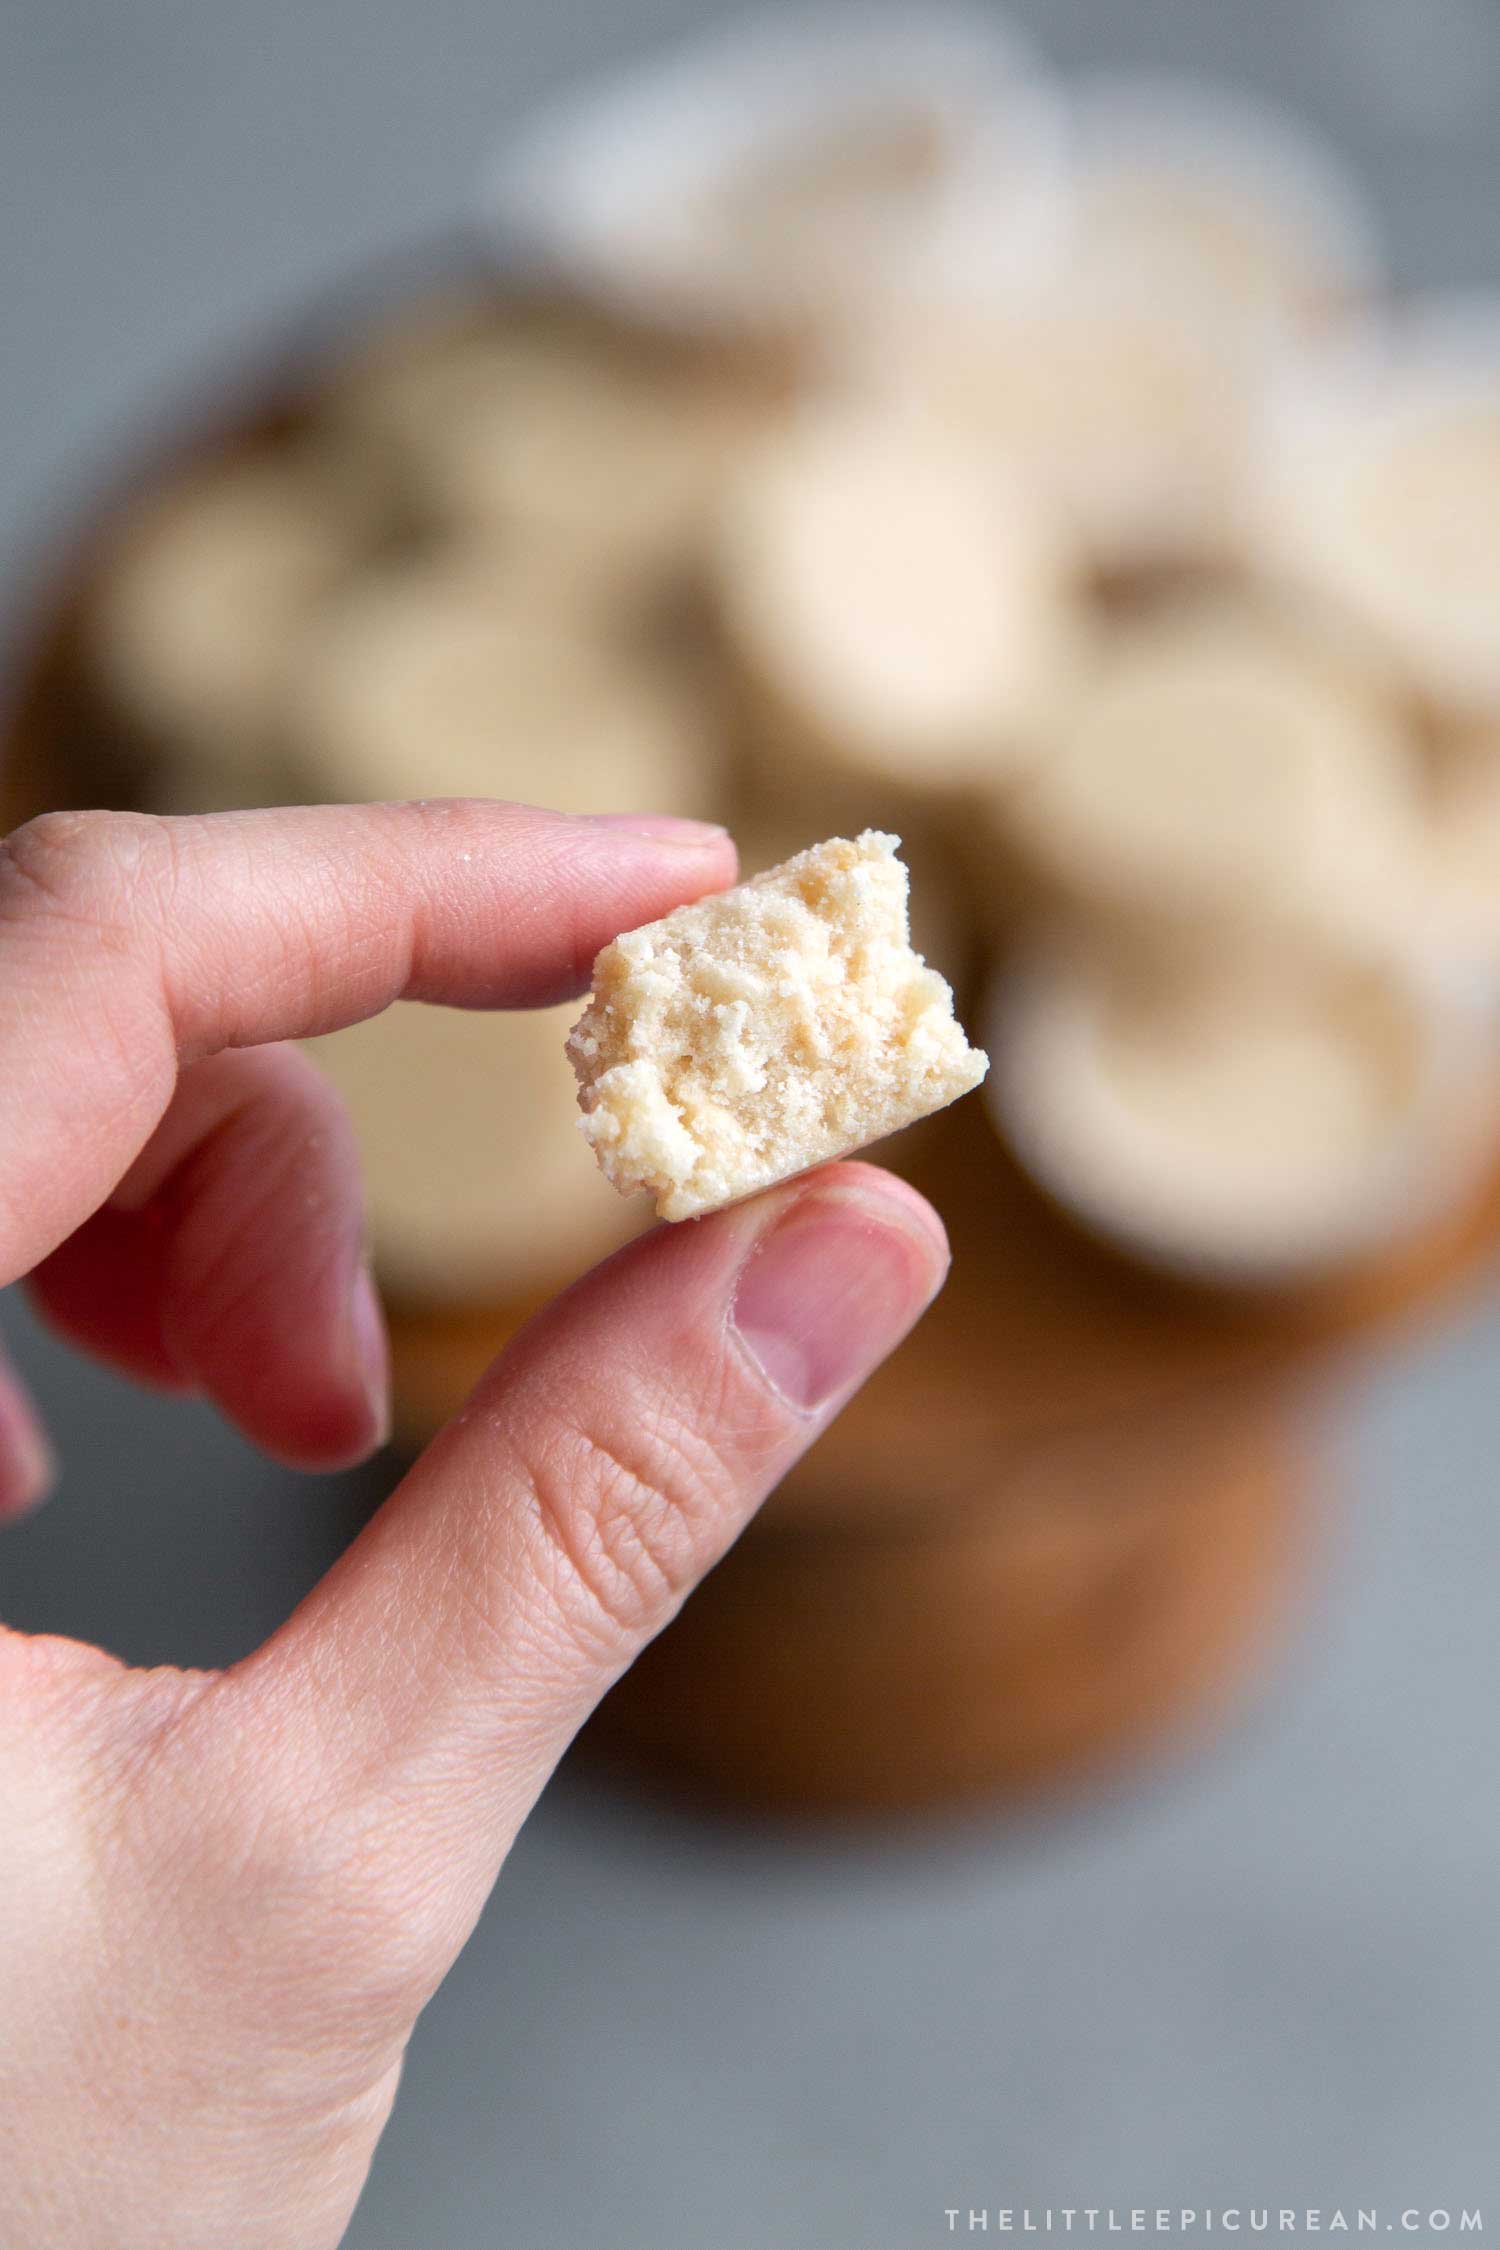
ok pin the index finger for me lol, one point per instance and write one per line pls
(130, 945)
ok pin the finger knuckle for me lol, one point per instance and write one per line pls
(632, 1519)
(84, 871)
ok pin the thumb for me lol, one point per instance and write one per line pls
(605, 1463)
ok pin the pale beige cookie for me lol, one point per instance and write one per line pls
(1131, 418)
(397, 393)
(475, 1186)
(1461, 836)
(1248, 1122)
(770, 828)
(205, 602)
(773, 1027)
(1127, 379)
(552, 433)
(900, 606)
(1232, 207)
(796, 174)
(447, 678)
(1215, 769)
(622, 467)
(1205, 231)
(944, 927)
(1380, 497)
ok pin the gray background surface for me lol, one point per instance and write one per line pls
(1268, 1973)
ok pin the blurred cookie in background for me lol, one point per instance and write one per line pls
(1228, 205)
(1461, 836)
(449, 676)
(205, 596)
(896, 608)
(800, 176)
(1206, 233)
(1380, 496)
(1131, 416)
(1215, 771)
(543, 427)
(1250, 1122)
(479, 1188)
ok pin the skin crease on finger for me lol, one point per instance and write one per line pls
(218, 1919)
(224, 1899)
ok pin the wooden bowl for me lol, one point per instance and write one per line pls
(1106, 1589)
(1055, 1524)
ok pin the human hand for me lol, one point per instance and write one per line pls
(225, 1897)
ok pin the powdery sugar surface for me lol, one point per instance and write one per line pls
(776, 1026)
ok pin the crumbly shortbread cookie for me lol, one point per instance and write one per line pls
(450, 679)
(776, 1026)
(769, 830)
(900, 604)
(475, 1187)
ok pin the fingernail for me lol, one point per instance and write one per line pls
(662, 828)
(833, 1287)
(28, 1466)
(372, 1351)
